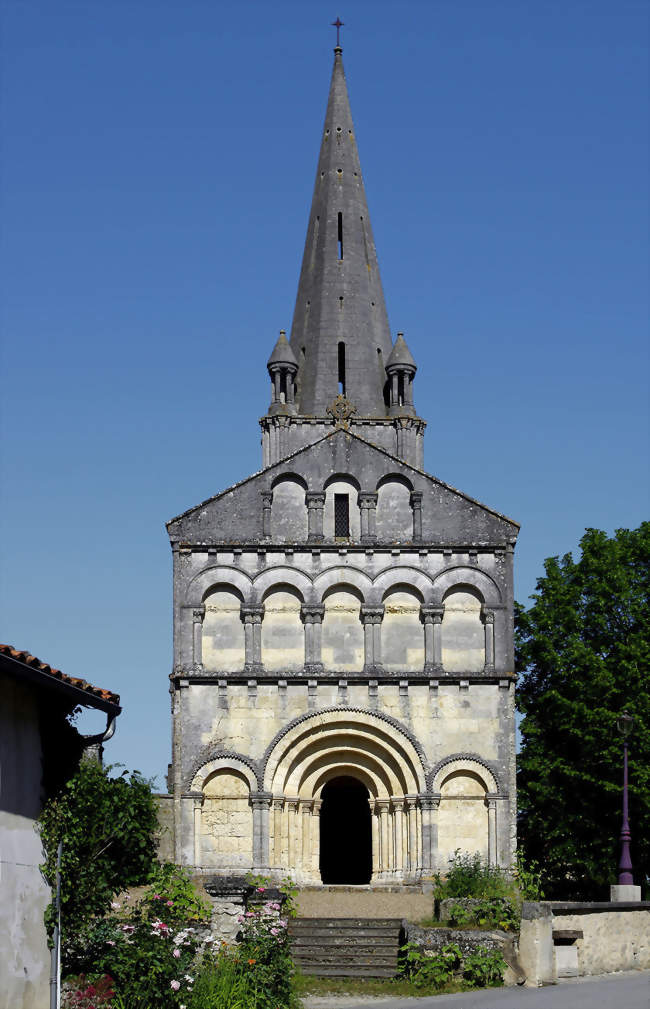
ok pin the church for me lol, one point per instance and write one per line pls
(343, 678)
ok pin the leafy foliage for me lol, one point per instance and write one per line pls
(583, 648)
(485, 912)
(148, 950)
(435, 971)
(88, 993)
(470, 876)
(108, 828)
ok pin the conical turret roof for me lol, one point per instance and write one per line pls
(282, 352)
(400, 355)
(340, 298)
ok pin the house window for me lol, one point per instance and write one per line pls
(341, 516)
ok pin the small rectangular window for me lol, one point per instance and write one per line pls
(340, 236)
(341, 515)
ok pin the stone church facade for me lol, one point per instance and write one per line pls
(343, 682)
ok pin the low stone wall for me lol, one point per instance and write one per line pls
(582, 939)
(432, 940)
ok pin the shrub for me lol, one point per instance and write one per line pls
(471, 876)
(108, 828)
(495, 912)
(484, 967)
(87, 993)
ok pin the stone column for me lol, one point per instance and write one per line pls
(198, 613)
(276, 385)
(400, 851)
(416, 505)
(374, 820)
(292, 816)
(491, 803)
(411, 823)
(368, 506)
(431, 617)
(312, 617)
(429, 805)
(252, 617)
(198, 804)
(260, 802)
(315, 507)
(278, 804)
(315, 840)
(488, 621)
(384, 851)
(267, 500)
(305, 809)
(371, 618)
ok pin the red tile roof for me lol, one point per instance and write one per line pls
(44, 667)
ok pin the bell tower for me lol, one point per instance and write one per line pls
(342, 355)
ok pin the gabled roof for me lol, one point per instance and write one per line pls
(282, 464)
(84, 692)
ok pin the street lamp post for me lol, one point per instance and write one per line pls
(625, 889)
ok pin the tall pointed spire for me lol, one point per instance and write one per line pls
(340, 334)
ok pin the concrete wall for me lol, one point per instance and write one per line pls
(24, 957)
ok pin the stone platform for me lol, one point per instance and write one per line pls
(414, 902)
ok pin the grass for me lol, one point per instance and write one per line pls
(310, 985)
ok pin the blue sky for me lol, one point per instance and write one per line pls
(158, 165)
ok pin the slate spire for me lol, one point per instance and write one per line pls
(340, 334)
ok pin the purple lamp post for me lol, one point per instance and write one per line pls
(624, 725)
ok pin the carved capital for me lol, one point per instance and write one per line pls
(267, 498)
(431, 614)
(488, 616)
(260, 800)
(315, 498)
(198, 614)
(311, 613)
(372, 614)
(429, 802)
(251, 614)
(367, 499)
(416, 500)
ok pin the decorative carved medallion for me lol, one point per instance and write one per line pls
(341, 410)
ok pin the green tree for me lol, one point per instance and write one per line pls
(108, 826)
(583, 651)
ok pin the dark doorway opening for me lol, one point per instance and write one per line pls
(345, 832)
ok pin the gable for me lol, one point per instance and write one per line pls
(236, 514)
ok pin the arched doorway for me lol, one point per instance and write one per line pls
(345, 832)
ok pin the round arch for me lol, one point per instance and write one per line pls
(281, 576)
(410, 577)
(310, 738)
(347, 576)
(459, 576)
(469, 764)
(225, 763)
(231, 578)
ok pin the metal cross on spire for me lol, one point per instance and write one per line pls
(338, 24)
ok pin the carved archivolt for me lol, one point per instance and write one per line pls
(220, 761)
(336, 741)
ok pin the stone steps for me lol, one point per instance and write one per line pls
(346, 947)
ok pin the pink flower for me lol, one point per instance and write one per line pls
(110, 942)
(176, 953)
(170, 903)
(115, 905)
(174, 985)
(261, 889)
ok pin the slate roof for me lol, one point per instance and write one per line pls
(93, 694)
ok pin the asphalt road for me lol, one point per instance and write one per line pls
(628, 990)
